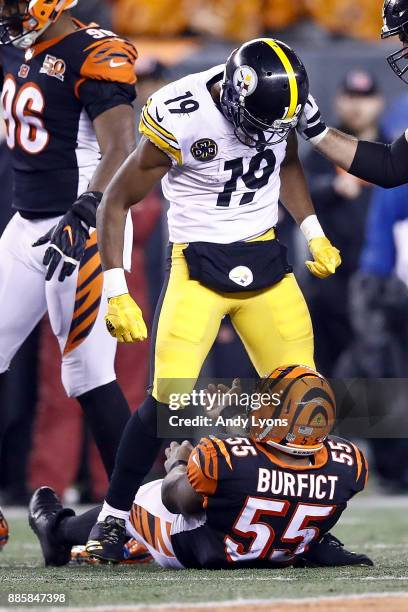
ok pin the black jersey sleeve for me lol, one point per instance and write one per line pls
(382, 164)
(106, 73)
(100, 96)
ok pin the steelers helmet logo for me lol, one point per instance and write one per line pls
(204, 150)
(245, 80)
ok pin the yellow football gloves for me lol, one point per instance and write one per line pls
(326, 257)
(124, 319)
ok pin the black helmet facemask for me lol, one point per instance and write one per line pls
(395, 17)
(11, 22)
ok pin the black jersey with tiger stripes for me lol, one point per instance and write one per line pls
(261, 512)
(51, 94)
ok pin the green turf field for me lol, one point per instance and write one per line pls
(375, 525)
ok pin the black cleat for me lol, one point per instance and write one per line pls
(330, 552)
(107, 539)
(4, 531)
(45, 512)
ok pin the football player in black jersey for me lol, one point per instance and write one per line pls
(377, 163)
(267, 498)
(67, 94)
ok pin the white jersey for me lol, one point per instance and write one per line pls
(219, 189)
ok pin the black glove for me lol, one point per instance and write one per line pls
(68, 238)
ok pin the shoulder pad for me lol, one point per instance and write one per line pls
(344, 453)
(157, 125)
(109, 59)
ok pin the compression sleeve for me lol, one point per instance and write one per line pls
(381, 164)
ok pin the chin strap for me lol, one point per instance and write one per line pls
(30, 38)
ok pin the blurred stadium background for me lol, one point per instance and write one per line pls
(359, 316)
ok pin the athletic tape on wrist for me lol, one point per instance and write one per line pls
(115, 282)
(311, 228)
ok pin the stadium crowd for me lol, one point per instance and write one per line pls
(355, 334)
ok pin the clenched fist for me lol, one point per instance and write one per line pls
(124, 319)
(326, 257)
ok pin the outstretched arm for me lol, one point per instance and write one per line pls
(297, 201)
(135, 179)
(377, 163)
(138, 175)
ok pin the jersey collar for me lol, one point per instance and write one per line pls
(40, 47)
(320, 459)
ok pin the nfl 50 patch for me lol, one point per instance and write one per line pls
(54, 67)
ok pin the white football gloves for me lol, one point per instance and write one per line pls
(311, 127)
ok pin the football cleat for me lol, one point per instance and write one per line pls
(45, 512)
(330, 552)
(107, 539)
(133, 554)
(4, 531)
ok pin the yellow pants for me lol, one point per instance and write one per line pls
(274, 325)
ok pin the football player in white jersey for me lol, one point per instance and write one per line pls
(224, 146)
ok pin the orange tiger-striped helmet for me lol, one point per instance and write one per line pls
(303, 403)
(23, 21)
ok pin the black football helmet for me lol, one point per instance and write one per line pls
(264, 91)
(395, 17)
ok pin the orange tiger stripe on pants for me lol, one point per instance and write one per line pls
(88, 296)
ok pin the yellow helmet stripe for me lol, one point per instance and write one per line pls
(293, 86)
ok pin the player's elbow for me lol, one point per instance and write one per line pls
(380, 164)
(169, 498)
(120, 149)
(390, 181)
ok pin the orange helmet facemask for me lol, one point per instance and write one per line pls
(22, 23)
(297, 411)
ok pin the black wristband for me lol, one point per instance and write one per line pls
(86, 205)
(176, 463)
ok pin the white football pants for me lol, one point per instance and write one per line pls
(151, 524)
(76, 307)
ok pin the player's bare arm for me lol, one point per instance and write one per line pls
(294, 193)
(178, 495)
(295, 197)
(115, 132)
(378, 163)
(139, 174)
(381, 164)
(135, 179)
(116, 136)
